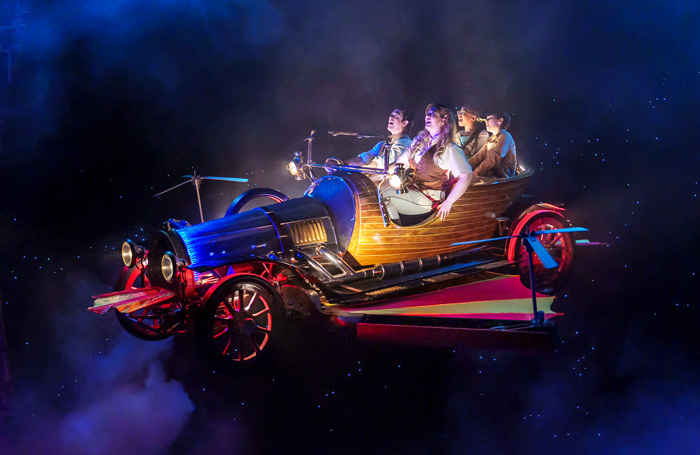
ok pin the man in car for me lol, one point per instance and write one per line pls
(497, 157)
(400, 123)
(473, 136)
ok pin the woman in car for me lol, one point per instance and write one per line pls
(435, 158)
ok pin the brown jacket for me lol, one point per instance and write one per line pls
(497, 157)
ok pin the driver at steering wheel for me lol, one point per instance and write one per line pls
(400, 123)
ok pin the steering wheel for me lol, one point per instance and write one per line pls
(334, 162)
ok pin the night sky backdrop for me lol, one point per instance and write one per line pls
(113, 101)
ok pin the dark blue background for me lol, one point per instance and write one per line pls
(113, 101)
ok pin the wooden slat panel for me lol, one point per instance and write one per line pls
(473, 217)
(431, 247)
(461, 232)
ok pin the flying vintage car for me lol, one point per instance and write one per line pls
(335, 254)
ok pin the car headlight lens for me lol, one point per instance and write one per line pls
(168, 266)
(296, 167)
(395, 181)
(293, 169)
(130, 252)
(127, 254)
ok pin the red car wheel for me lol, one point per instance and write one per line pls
(559, 245)
(240, 319)
(146, 323)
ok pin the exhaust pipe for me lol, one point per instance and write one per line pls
(382, 271)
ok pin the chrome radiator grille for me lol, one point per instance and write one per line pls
(308, 232)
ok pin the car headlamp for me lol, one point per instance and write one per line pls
(170, 266)
(295, 166)
(131, 252)
(293, 169)
(395, 181)
(399, 179)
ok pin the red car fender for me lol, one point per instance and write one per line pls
(189, 283)
(216, 286)
(127, 277)
(522, 221)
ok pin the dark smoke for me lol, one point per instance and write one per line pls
(87, 386)
(114, 101)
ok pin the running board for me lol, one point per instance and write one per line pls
(130, 300)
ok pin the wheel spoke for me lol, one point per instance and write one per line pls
(238, 304)
(240, 350)
(228, 306)
(228, 345)
(263, 329)
(256, 348)
(254, 345)
(557, 238)
(252, 299)
(263, 311)
(544, 238)
(217, 335)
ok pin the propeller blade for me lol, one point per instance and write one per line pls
(547, 231)
(226, 179)
(172, 188)
(547, 260)
(471, 242)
